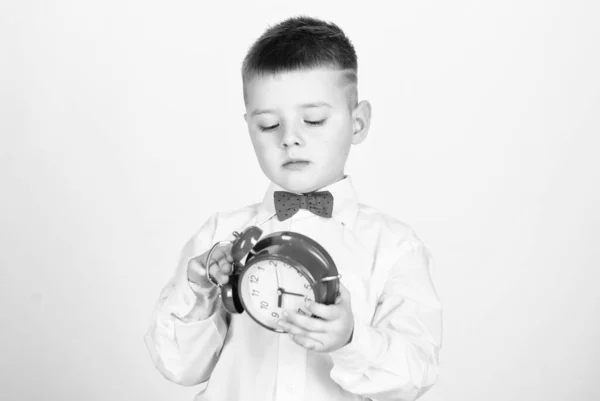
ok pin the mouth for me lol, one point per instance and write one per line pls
(295, 164)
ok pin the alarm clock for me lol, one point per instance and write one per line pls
(280, 271)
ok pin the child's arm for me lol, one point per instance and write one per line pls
(396, 356)
(187, 329)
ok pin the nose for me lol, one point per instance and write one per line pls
(290, 137)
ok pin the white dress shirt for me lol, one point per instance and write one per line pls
(393, 354)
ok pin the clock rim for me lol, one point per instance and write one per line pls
(282, 242)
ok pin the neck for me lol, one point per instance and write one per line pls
(340, 178)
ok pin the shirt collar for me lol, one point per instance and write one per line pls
(345, 203)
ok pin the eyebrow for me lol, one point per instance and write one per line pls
(303, 106)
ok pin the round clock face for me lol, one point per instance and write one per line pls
(269, 286)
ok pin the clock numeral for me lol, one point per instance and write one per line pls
(299, 273)
(275, 315)
(306, 299)
(264, 305)
(253, 279)
(259, 267)
(273, 263)
(307, 286)
(301, 312)
(255, 293)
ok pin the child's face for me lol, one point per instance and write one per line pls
(302, 127)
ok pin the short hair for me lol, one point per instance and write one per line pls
(301, 43)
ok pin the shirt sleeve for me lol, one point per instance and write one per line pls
(396, 356)
(185, 351)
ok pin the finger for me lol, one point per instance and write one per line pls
(220, 274)
(305, 323)
(307, 342)
(220, 263)
(225, 267)
(326, 312)
(299, 332)
(225, 252)
(290, 328)
(344, 295)
(195, 272)
(221, 252)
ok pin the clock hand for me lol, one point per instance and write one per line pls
(277, 277)
(279, 297)
(291, 293)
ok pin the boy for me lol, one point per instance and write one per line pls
(380, 339)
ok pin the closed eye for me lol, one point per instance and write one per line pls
(315, 123)
(269, 128)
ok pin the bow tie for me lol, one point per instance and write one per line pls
(287, 204)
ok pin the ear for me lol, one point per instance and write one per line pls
(361, 121)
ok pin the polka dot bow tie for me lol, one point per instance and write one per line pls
(287, 204)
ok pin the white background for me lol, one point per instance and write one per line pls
(121, 131)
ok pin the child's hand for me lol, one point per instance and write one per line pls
(331, 332)
(220, 269)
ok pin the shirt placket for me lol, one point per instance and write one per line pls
(291, 363)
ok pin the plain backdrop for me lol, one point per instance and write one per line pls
(121, 131)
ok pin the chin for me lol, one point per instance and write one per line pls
(298, 186)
